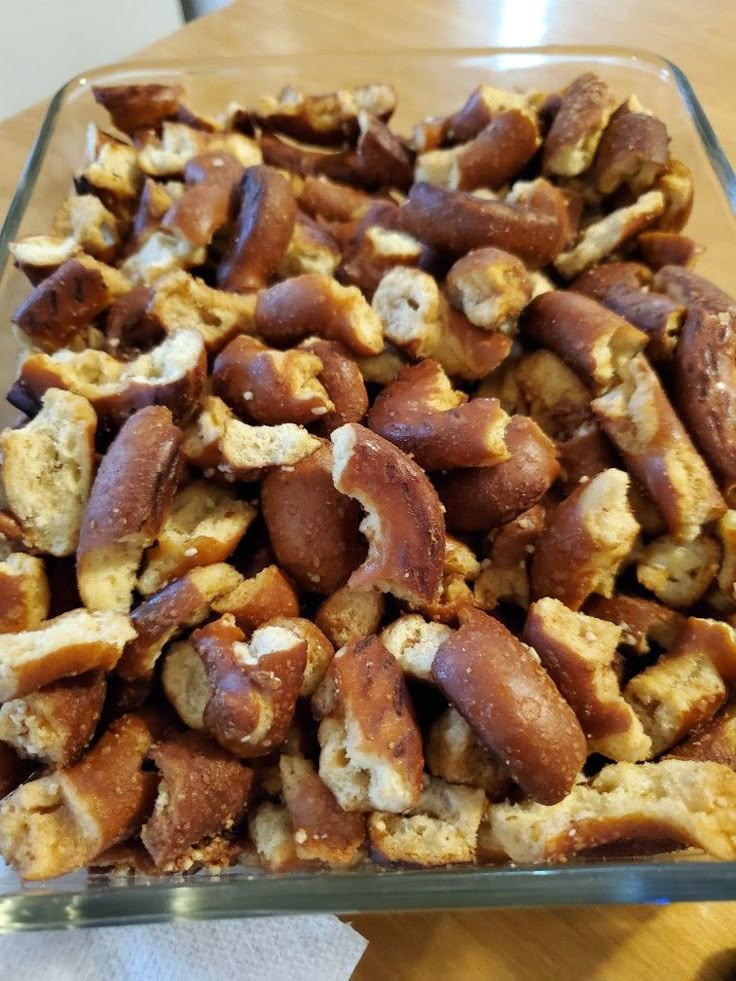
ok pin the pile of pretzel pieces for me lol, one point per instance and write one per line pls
(374, 497)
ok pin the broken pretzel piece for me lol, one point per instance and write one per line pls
(24, 593)
(266, 595)
(371, 748)
(455, 754)
(586, 107)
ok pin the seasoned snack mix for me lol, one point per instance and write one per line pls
(371, 500)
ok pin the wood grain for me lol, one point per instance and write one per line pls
(695, 942)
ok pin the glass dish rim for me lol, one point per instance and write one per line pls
(140, 900)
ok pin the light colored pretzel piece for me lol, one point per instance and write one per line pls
(319, 649)
(592, 340)
(272, 835)
(603, 237)
(407, 302)
(68, 645)
(313, 529)
(552, 394)
(586, 107)
(455, 754)
(685, 688)
(672, 801)
(111, 170)
(678, 573)
(184, 680)
(202, 793)
(579, 653)
(160, 253)
(181, 301)
(268, 386)
(441, 829)
(58, 823)
(349, 614)
(312, 304)
(479, 499)
(343, 382)
(266, 595)
(86, 220)
(60, 311)
(132, 491)
(311, 249)
(168, 154)
(38, 256)
(173, 374)
(435, 425)
(184, 603)
(55, 724)
(375, 251)
(404, 524)
(530, 728)
(726, 529)
(460, 570)
(323, 831)
(585, 541)
(639, 419)
(47, 471)
(491, 287)
(414, 641)
(676, 184)
(253, 686)
(203, 525)
(371, 749)
(24, 593)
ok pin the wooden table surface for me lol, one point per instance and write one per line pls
(673, 942)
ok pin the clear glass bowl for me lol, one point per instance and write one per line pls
(428, 82)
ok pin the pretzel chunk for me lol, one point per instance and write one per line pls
(642, 621)
(262, 233)
(714, 740)
(180, 300)
(24, 593)
(314, 529)
(586, 107)
(676, 184)
(54, 725)
(633, 150)
(504, 577)
(271, 832)
(173, 375)
(371, 749)
(136, 107)
(323, 831)
(60, 822)
(184, 680)
(684, 689)
(404, 524)
(203, 792)
(639, 419)
(343, 382)
(436, 426)
(458, 222)
(408, 304)
(68, 645)
(267, 595)
(512, 705)
(579, 651)
(313, 304)
(203, 525)
(461, 568)
(270, 387)
(592, 340)
(311, 249)
(208, 202)
(414, 642)
(671, 801)
(167, 155)
(678, 573)
(111, 170)
(349, 614)
(455, 754)
(319, 649)
(88, 222)
(491, 287)
(478, 499)
(441, 829)
(130, 496)
(585, 541)
(183, 603)
(59, 311)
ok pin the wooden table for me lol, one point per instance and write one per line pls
(676, 942)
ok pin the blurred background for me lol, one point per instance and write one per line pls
(46, 42)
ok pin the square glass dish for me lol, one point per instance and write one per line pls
(428, 82)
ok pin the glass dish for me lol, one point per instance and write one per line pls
(428, 82)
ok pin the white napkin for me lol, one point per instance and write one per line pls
(276, 948)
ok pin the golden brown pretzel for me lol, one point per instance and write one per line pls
(268, 386)
(313, 529)
(253, 601)
(343, 382)
(262, 232)
(641, 620)
(135, 107)
(209, 200)
(530, 728)
(585, 541)
(404, 525)
(253, 687)
(478, 499)
(371, 749)
(586, 107)
(349, 614)
(24, 593)
(132, 491)
(435, 425)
